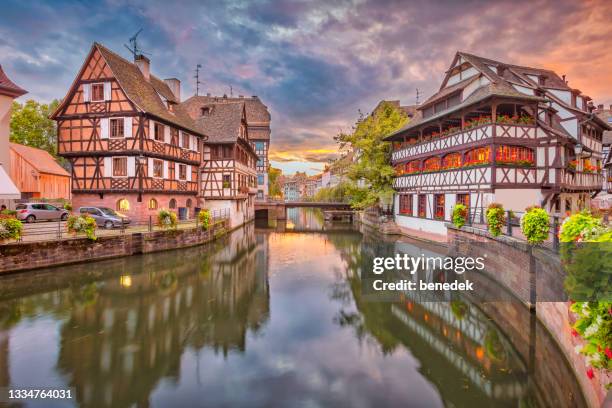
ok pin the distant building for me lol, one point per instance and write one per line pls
(604, 198)
(291, 190)
(258, 125)
(8, 92)
(37, 174)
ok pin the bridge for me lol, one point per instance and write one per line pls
(277, 209)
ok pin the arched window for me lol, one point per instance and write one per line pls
(451, 161)
(152, 204)
(478, 156)
(514, 155)
(188, 204)
(431, 164)
(172, 204)
(123, 205)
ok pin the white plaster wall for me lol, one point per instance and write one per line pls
(5, 120)
(237, 216)
(421, 224)
(518, 199)
(565, 96)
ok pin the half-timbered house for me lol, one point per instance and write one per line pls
(496, 132)
(228, 172)
(130, 145)
(258, 126)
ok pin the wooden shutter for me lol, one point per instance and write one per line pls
(188, 173)
(108, 166)
(151, 129)
(107, 91)
(131, 166)
(127, 127)
(86, 92)
(167, 134)
(104, 128)
(150, 167)
(165, 171)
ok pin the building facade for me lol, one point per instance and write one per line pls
(37, 175)
(228, 175)
(258, 126)
(604, 198)
(496, 132)
(130, 145)
(8, 92)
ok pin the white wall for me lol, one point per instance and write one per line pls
(421, 224)
(518, 199)
(237, 216)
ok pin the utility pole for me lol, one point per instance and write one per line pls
(418, 95)
(197, 78)
(231, 91)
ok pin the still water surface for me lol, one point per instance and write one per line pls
(266, 317)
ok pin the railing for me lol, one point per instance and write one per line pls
(54, 230)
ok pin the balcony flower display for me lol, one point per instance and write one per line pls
(515, 119)
(478, 157)
(451, 130)
(514, 156)
(431, 164)
(451, 161)
(413, 167)
(481, 120)
(572, 165)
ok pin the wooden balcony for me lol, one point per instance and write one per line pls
(131, 146)
(578, 180)
(464, 137)
(458, 179)
(132, 184)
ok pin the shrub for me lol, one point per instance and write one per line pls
(535, 225)
(10, 228)
(9, 213)
(166, 219)
(579, 227)
(82, 224)
(495, 218)
(204, 218)
(459, 215)
(68, 206)
(594, 325)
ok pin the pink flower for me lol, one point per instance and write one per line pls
(608, 353)
(574, 332)
(590, 373)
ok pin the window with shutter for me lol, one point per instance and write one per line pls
(119, 166)
(117, 128)
(97, 92)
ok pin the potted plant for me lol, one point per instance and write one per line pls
(204, 218)
(166, 219)
(496, 218)
(82, 224)
(459, 215)
(535, 225)
(10, 228)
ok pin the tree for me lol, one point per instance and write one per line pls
(274, 187)
(371, 174)
(31, 126)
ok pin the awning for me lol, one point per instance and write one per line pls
(8, 190)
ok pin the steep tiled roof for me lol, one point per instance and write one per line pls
(257, 114)
(222, 122)
(40, 159)
(8, 87)
(146, 94)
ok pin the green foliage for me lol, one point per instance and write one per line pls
(204, 218)
(31, 126)
(340, 193)
(82, 224)
(579, 226)
(459, 309)
(594, 325)
(495, 218)
(10, 228)
(274, 186)
(535, 225)
(10, 213)
(166, 219)
(494, 347)
(373, 164)
(67, 206)
(459, 215)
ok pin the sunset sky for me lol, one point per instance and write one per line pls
(315, 64)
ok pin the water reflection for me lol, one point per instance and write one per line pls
(266, 318)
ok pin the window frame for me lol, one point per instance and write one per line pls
(161, 168)
(113, 166)
(422, 202)
(439, 208)
(120, 128)
(160, 126)
(93, 93)
(182, 168)
(406, 204)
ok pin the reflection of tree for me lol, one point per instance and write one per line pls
(127, 329)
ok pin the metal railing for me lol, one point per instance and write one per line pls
(55, 230)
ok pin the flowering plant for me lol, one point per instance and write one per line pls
(166, 219)
(204, 218)
(482, 120)
(572, 165)
(459, 215)
(535, 225)
(10, 228)
(82, 224)
(496, 218)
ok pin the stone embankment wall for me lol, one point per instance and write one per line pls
(535, 276)
(30, 255)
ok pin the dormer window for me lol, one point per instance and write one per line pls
(542, 80)
(205, 110)
(97, 92)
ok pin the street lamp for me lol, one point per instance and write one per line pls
(578, 149)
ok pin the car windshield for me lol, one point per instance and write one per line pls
(108, 211)
(21, 207)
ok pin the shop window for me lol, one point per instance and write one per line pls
(405, 204)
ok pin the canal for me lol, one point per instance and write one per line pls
(270, 315)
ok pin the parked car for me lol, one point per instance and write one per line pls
(105, 217)
(32, 212)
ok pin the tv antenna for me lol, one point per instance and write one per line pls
(133, 47)
(231, 91)
(418, 95)
(197, 78)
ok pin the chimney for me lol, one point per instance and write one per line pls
(600, 107)
(611, 107)
(175, 86)
(563, 77)
(144, 65)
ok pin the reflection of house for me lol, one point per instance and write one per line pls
(258, 126)
(130, 145)
(8, 92)
(294, 187)
(496, 132)
(37, 174)
(604, 198)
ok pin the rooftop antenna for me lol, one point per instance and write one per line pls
(418, 95)
(197, 78)
(231, 91)
(133, 47)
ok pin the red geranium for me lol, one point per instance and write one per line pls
(590, 373)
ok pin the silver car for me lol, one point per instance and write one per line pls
(32, 212)
(105, 217)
